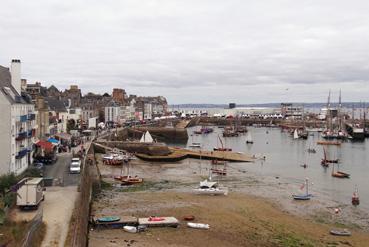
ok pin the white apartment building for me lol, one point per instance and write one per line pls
(112, 112)
(18, 125)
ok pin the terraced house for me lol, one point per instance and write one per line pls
(17, 125)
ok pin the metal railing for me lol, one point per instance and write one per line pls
(34, 227)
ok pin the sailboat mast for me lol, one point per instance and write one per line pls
(307, 186)
(339, 112)
(329, 120)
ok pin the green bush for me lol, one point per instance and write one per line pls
(6, 181)
(10, 199)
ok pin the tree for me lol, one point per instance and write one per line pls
(71, 124)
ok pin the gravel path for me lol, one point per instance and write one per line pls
(57, 211)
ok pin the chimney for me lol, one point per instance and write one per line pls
(15, 71)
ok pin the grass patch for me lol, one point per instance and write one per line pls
(292, 240)
(106, 185)
(13, 233)
(151, 186)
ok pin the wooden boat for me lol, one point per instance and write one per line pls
(306, 196)
(131, 180)
(222, 149)
(249, 139)
(337, 143)
(198, 225)
(339, 174)
(219, 171)
(340, 232)
(108, 219)
(302, 197)
(189, 217)
(325, 162)
(355, 198)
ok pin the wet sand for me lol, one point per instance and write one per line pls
(258, 211)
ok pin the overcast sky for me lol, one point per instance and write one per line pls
(194, 51)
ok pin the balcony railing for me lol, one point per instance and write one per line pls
(23, 118)
(31, 116)
(21, 136)
(21, 153)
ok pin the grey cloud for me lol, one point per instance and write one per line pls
(242, 51)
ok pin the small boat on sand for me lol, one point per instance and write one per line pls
(210, 188)
(340, 232)
(131, 229)
(108, 219)
(306, 196)
(355, 200)
(198, 225)
(131, 180)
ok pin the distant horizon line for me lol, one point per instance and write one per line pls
(352, 103)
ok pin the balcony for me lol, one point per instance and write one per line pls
(21, 136)
(23, 118)
(21, 153)
(31, 116)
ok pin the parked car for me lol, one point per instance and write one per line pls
(75, 166)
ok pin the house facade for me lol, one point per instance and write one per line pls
(18, 124)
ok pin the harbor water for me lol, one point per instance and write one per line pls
(284, 157)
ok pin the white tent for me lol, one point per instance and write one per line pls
(146, 137)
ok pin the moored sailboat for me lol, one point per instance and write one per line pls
(305, 196)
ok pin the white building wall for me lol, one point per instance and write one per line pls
(19, 165)
(5, 135)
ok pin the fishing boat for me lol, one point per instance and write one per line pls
(339, 174)
(210, 188)
(306, 196)
(249, 138)
(340, 232)
(198, 225)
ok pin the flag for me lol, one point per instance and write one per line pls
(302, 187)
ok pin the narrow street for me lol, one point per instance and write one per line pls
(60, 170)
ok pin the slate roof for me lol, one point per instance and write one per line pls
(55, 104)
(8, 90)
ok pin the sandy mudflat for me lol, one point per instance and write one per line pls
(257, 212)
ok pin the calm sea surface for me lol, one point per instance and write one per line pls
(284, 157)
